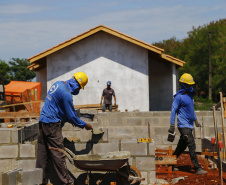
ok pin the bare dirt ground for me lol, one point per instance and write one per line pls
(186, 170)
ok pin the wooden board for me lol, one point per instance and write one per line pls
(166, 159)
(12, 115)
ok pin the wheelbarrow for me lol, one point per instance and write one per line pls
(112, 162)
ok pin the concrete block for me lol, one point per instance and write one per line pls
(141, 132)
(10, 177)
(116, 121)
(164, 121)
(199, 148)
(5, 165)
(15, 136)
(157, 139)
(8, 151)
(5, 135)
(105, 147)
(162, 114)
(209, 131)
(135, 148)
(145, 163)
(198, 132)
(27, 150)
(208, 120)
(28, 177)
(131, 121)
(25, 164)
(102, 121)
(203, 113)
(153, 121)
(143, 114)
(151, 147)
(152, 177)
(161, 130)
(144, 175)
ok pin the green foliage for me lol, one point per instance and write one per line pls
(194, 50)
(16, 70)
(203, 104)
(4, 71)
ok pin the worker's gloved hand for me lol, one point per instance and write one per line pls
(171, 129)
(115, 104)
(101, 103)
(197, 124)
(88, 126)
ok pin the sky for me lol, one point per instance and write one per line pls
(28, 27)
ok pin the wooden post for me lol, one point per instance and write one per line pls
(222, 117)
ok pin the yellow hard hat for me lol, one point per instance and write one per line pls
(187, 79)
(81, 78)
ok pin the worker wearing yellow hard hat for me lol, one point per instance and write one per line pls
(183, 107)
(81, 78)
(57, 110)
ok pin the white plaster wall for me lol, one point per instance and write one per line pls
(41, 76)
(104, 57)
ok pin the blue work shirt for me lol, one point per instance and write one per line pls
(59, 104)
(183, 106)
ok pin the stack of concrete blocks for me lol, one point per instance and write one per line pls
(22, 177)
(123, 129)
(17, 150)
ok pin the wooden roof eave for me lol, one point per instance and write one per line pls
(89, 33)
(173, 60)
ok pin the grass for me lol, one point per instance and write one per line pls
(203, 104)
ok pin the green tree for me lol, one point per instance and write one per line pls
(4, 71)
(19, 70)
(194, 50)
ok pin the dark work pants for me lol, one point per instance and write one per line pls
(50, 135)
(187, 139)
(105, 106)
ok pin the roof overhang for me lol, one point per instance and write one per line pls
(37, 61)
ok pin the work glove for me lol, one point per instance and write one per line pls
(115, 104)
(197, 124)
(171, 129)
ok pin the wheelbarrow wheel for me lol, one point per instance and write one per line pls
(133, 172)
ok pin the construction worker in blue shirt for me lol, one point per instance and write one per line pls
(183, 106)
(57, 110)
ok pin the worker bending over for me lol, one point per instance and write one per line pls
(57, 110)
(183, 106)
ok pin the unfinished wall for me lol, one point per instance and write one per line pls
(121, 131)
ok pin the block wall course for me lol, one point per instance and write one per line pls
(27, 150)
(8, 151)
(131, 121)
(145, 163)
(5, 165)
(151, 149)
(5, 135)
(105, 147)
(135, 148)
(29, 177)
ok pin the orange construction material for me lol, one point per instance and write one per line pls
(20, 92)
